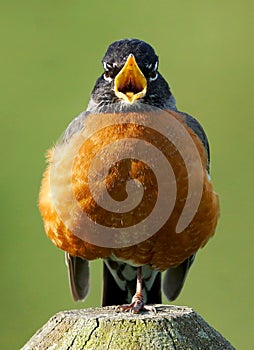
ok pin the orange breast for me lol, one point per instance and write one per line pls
(124, 185)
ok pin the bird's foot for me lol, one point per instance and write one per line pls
(137, 304)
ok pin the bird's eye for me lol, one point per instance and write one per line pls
(108, 71)
(153, 74)
(107, 76)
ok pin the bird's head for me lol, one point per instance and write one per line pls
(130, 79)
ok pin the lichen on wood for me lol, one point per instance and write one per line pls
(172, 327)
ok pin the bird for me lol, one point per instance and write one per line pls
(130, 86)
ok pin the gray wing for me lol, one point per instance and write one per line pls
(78, 270)
(75, 126)
(174, 278)
(197, 128)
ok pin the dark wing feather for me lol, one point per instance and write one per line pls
(174, 278)
(78, 270)
(197, 128)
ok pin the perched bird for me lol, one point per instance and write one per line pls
(130, 87)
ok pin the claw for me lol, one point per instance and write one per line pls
(137, 302)
(136, 307)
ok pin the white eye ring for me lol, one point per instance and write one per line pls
(107, 78)
(155, 77)
(153, 70)
(107, 67)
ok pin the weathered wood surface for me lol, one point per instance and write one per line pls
(172, 327)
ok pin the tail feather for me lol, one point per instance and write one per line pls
(112, 294)
(78, 270)
(174, 278)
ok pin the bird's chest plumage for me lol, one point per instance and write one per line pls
(121, 185)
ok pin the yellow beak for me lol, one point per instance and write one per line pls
(130, 82)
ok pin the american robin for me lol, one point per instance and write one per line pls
(91, 213)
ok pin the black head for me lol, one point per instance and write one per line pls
(130, 80)
(119, 51)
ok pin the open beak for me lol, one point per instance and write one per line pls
(130, 83)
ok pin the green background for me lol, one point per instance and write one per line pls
(50, 58)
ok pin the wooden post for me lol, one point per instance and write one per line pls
(172, 327)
